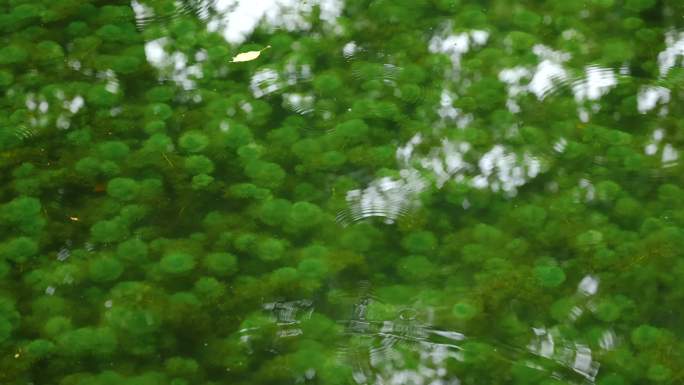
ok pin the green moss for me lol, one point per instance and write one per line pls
(608, 310)
(645, 336)
(199, 164)
(48, 51)
(160, 112)
(133, 250)
(209, 289)
(527, 20)
(109, 168)
(275, 212)
(105, 269)
(612, 379)
(477, 354)
(5, 269)
(659, 373)
(108, 231)
(19, 249)
(284, 276)
(608, 190)
(464, 310)
(248, 190)
(6, 78)
(56, 326)
(13, 54)
(304, 215)
(155, 127)
(419, 242)
(151, 189)
(415, 268)
(561, 310)
(312, 268)
(109, 32)
(24, 214)
(5, 327)
(84, 341)
(101, 96)
(549, 276)
(181, 366)
(159, 142)
(265, 174)
(526, 373)
(24, 170)
(639, 5)
(327, 84)
(270, 249)
(201, 181)
(352, 131)
(221, 264)
(124, 189)
(378, 311)
(88, 166)
(306, 149)
(177, 263)
(113, 150)
(333, 160)
(589, 239)
(476, 254)
(284, 136)
(245, 242)
(136, 322)
(160, 93)
(193, 141)
(77, 28)
(40, 348)
(236, 135)
(133, 213)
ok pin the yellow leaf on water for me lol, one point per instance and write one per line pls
(248, 56)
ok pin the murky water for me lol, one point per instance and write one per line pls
(342, 192)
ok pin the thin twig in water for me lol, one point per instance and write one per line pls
(168, 160)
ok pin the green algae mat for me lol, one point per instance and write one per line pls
(330, 192)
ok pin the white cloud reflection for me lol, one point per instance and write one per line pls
(456, 45)
(649, 96)
(239, 18)
(173, 65)
(673, 52)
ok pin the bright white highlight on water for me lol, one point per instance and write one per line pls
(596, 83)
(456, 45)
(674, 51)
(239, 18)
(174, 65)
(588, 285)
(649, 96)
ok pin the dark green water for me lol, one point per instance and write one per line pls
(404, 192)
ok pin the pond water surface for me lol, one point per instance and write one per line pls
(404, 192)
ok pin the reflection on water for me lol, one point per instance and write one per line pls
(146, 13)
(386, 198)
(499, 168)
(235, 19)
(377, 350)
(456, 45)
(287, 315)
(401, 344)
